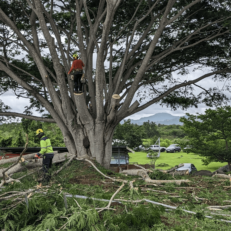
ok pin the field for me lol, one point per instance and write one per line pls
(173, 159)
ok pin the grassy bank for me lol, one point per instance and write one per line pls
(173, 159)
(47, 209)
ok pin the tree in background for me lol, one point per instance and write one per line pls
(131, 133)
(144, 42)
(150, 129)
(6, 141)
(18, 141)
(26, 125)
(209, 134)
(178, 133)
(165, 142)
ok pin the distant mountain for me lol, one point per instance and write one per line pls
(159, 118)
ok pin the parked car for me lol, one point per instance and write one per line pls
(187, 166)
(141, 147)
(157, 148)
(173, 148)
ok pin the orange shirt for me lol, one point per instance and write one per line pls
(77, 64)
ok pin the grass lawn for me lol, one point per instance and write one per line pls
(173, 159)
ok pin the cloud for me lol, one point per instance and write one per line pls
(17, 105)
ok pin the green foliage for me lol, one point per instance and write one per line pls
(47, 211)
(158, 175)
(165, 142)
(26, 124)
(131, 133)
(150, 129)
(139, 219)
(13, 135)
(162, 165)
(6, 142)
(19, 141)
(209, 134)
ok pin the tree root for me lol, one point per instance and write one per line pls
(118, 180)
(147, 170)
(109, 204)
(68, 162)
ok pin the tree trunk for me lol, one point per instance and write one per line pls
(229, 164)
(100, 140)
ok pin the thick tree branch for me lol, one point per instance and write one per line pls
(15, 114)
(182, 11)
(66, 105)
(111, 9)
(186, 83)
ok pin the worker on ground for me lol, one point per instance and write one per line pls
(46, 153)
(77, 68)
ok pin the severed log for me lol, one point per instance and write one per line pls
(174, 168)
(179, 173)
(214, 209)
(219, 207)
(146, 178)
(135, 172)
(191, 188)
(161, 170)
(177, 182)
(18, 167)
(222, 176)
(14, 159)
(157, 191)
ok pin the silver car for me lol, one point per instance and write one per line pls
(157, 148)
(187, 166)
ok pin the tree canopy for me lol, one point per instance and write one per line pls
(210, 134)
(137, 45)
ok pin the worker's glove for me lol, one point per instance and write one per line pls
(72, 77)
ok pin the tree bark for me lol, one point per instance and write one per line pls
(229, 164)
(222, 176)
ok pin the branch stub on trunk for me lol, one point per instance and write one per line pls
(116, 96)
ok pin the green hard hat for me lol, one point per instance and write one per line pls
(75, 56)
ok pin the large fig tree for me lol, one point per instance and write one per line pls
(130, 48)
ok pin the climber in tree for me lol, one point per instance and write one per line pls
(77, 72)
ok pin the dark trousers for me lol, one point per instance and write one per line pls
(78, 86)
(47, 162)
